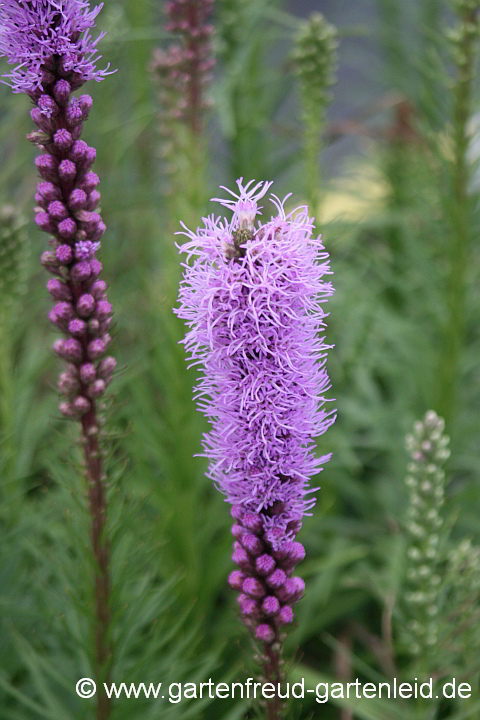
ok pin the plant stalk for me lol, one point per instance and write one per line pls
(460, 247)
(273, 674)
(98, 509)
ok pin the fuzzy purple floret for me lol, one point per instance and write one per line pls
(255, 314)
(35, 31)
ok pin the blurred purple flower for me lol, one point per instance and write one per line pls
(184, 68)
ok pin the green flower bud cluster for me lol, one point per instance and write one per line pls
(233, 23)
(13, 259)
(462, 611)
(428, 449)
(315, 63)
(463, 36)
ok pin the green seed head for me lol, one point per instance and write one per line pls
(314, 56)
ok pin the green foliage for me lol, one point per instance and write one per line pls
(389, 217)
(13, 259)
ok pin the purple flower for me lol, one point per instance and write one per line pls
(86, 249)
(252, 296)
(184, 68)
(42, 37)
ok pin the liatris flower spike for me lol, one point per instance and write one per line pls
(185, 67)
(253, 300)
(49, 43)
(51, 66)
(428, 449)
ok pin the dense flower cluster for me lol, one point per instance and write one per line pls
(55, 64)
(253, 301)
(462, 629)
(184, 68)
(428, 448)
(33, 32)
(314, 57)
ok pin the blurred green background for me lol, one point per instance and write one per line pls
(388, 212)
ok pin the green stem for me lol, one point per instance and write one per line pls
(139, 17)
(312, 142)
(460, 247)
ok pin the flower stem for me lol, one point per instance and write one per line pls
(312, 133)
(98, 509)
(273, 674)
(460, 221)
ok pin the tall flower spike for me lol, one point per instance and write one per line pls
(184, 69)
(252, 298)
(54, 54)
(428, 449)
(314, 57)
(183, 72)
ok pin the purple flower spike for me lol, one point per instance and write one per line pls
(50, 46)
(184, 68)
(252, 296)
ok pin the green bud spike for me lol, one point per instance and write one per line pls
(314, 57)
(315, 61)
(428, 449)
